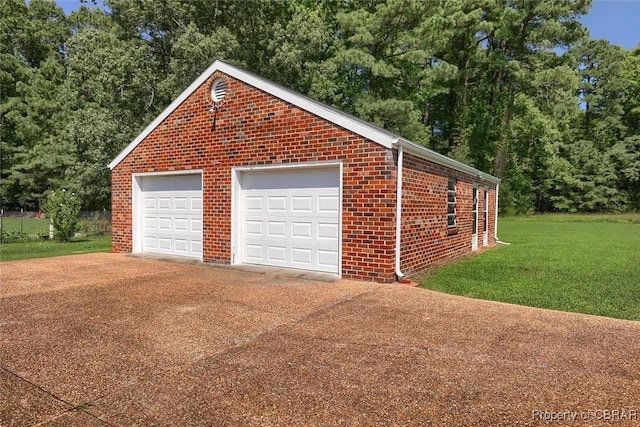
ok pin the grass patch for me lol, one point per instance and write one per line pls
(50, 248)
(558, 262)
(633, 218)
(30, 226)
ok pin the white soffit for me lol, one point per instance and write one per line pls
(425, 153)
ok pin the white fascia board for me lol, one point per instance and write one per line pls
(440, 159)
(357, 126)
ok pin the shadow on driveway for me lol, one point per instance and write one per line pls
(106, 339)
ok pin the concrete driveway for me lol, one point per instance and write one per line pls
(111, 340)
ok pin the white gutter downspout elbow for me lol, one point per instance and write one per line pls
(399, 273)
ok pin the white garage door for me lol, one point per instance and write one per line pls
(172, 215)
(290, 218)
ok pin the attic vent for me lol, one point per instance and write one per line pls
(218, 90)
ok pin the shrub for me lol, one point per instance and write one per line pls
(62, 208)
(14, 236)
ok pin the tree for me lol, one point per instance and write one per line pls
(601, 65)
(113, 88)
(625, 156)
(32, 69)
(631, 100)
(479, 80)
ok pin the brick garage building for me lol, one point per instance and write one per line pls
(241, 170)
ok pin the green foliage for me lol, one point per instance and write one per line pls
(478, 80)
(48, 248)
(96, 226)
(581, 264)
(14, 236)
(62, 208)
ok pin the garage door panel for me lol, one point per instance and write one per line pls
(196, 204)
(301, 229)
(327, 258)
(180, 203)
(277, 229)
(254, 203)
(150, 223)
(276, 254)
(276, 204)
(292, 179)
(164, 223)
(164, 203)
(289, 225)
(253, 252)
(301, 203)
(150, 242)
(181, 245)
(327, 231)
(181, 224)
(328, 203)
(253, 228)
(172, 215)
(172, 183)
(164, 243)
(302, 256)
(149, 203)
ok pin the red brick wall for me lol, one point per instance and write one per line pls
(426, 240)
(254, 128)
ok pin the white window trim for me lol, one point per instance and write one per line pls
(454, 203)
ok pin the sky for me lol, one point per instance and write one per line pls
(615, 20)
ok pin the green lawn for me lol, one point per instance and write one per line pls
(585, 264)
(27, 225)
(49, 248)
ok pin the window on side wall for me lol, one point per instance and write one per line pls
(451, 204)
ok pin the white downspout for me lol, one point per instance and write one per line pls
(495, 228)
(399, 273)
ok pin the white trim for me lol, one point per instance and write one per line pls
(136, 211)
(235, 217)
(176, 172)
(443, 160)
(474, 216)
(495, 228)
(337, 117)
(236, 209)
(136, 214)
(279, 166)
(485, 216)
(399, 272)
